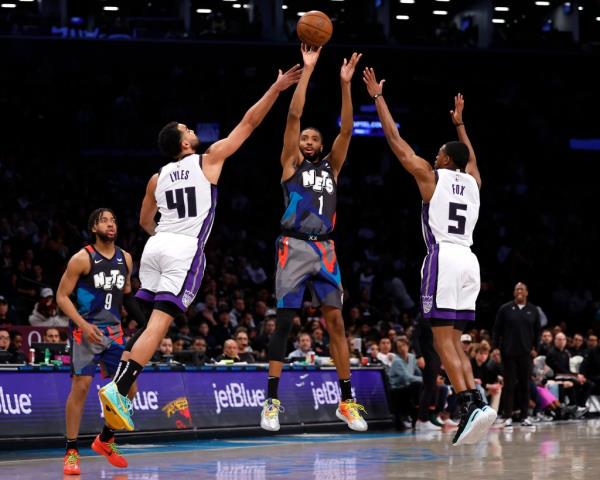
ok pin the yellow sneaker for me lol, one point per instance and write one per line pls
(117, 408)
(349, 412)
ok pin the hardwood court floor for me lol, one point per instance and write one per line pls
(562, 451)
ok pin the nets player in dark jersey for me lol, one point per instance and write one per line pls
(305, 253)
(99, 275)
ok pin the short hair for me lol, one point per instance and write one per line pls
(482, 348)
(315, 129)
(95, 217)
(458, 152)
(169, 140)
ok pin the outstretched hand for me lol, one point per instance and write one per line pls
(287, 79)
(310, 55)
(373, 87)
(349, 66)
(456, 114)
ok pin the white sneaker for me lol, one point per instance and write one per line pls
(527, 423)
(427, 426)
(349, 412)
(269, 417)
(508, 423)
(490, 415)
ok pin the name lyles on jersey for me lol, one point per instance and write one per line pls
(179, 175)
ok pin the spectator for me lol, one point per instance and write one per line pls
(46, 313)
(466, 340)
(164, 352)
(304, 348)
(385, 354)
(261, 342)
(223, 330)
(579, 347)
(545, 342)
(516, 331)
(7, 314)
(235, 316)
(178, 345)
(204, 330)
(592, 342)
(486, 374)
(319, 345)
(576, 386)
(16, 343)
(230, 352)
(373, 354)
(244, 349)
(52, 335)
(4, 339)
(405, 381)
(590, 367)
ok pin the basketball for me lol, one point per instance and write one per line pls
(314, 28)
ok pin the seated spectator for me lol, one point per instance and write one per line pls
(304, 348)
(579, 347)
(261, 342)
(52, 335)
(223, 330)
(211, 342)
(164, 352)
(178, 345)
(199, 345)
(486, 373)
(46, 313)
(466, 340)
(235, 315)
(576, 387)
(16, 342)
(373, 353)
(244, 349)
(319, 344)
(230, 352)
(592, 342)
(385, 354)
(7, 314)
(4, 339)
(405, 382)
(590, 368)
(545, 343)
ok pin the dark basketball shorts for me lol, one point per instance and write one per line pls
(86, 356)
(306, 264)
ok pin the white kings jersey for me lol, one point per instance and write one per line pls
(186, 199)
(452, 213)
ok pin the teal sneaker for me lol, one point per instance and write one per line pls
(117, 408)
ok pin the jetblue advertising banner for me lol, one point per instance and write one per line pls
(34, 403)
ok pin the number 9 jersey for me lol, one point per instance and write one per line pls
(450, 278)
(173, 261)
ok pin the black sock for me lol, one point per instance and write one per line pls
(346, 387)
(273, 386)
(120, 368)
(106, 434)
(72, 444)
(128, 376)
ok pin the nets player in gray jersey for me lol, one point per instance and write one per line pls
(99, 276)
(450, 279)
(305, 253)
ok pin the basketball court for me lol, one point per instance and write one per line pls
(561, 450)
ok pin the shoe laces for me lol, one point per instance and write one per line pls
(354, 408)
(274, 408)
(72, 458)
(129, 406)
(115, 448)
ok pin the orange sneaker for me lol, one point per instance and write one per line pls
(111, 451)
(71, 465)
(349, 412)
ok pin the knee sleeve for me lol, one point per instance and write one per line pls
(278, 343)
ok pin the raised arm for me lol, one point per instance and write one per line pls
(149, 206)
(457, 120)
(77, 266)
(290, 155)
(418, 167)
(339, 150)
(218, 152)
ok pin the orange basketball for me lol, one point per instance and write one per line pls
(314, 28)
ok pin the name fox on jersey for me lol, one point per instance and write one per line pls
(107, 282)
(318, 183)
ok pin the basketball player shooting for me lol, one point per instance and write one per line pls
(450, 274)
(305, 251)
(172, 265)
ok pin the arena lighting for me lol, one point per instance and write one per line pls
(542, 4)
(110, 9)
(402, 17)
(440, 12)
(407, 1)
(498, 20)
(204, 10)
(501, 9)
(284, 7)
(9, 5)
(237, 5)
(27, 1)
(598, 19)
(442, 1)
(580, 9)
(300, 13)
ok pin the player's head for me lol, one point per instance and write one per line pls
(311, 144)
(452, 155)
(175, 139)
(103, 224)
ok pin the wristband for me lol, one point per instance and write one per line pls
(377, 95)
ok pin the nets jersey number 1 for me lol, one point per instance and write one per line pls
(183, 200)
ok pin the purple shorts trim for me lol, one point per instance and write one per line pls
(145, 295)
(169, 297)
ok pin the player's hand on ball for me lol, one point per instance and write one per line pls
(289, 78)
(456, 114)
(373, 87)
(349, 66)
(92, 333)
(310, 55)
